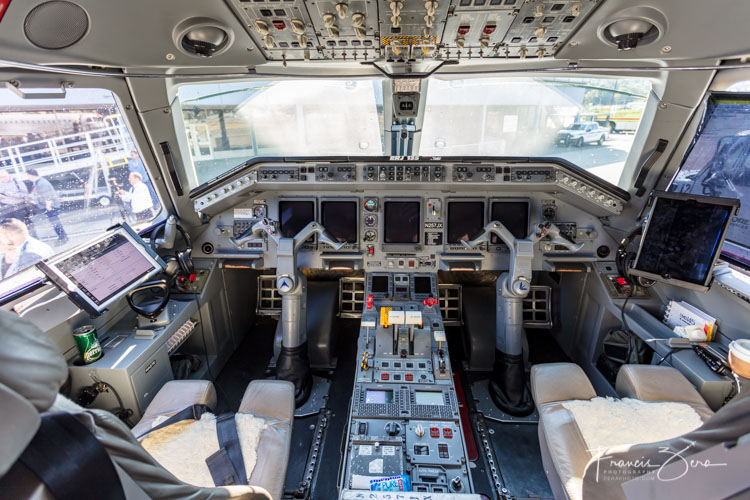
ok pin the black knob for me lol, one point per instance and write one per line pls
(456, 484)
(393, 428)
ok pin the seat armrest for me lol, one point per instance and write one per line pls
(656, 383)
(559, 382)
(174, 396)
(269, 399)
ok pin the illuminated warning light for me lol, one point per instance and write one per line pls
(489, 29)
(463, 30)
(279, 24)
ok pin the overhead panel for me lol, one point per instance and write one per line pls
(479, 26)
(294, 30)
(280, 29)
(540, 27)
(412, 24)
(346, 29)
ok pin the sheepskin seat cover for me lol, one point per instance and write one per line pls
(608, 422)
(182, 448)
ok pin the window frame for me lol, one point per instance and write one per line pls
(127, 109)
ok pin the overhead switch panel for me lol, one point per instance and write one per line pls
(360, 30)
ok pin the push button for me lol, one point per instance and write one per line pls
(434, 432)
(447, 432)
(409, 377)
(384, 376)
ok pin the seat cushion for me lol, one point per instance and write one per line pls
(567, 451)
(559, 382)
(272, 400)
(174, 396)
(660, 383)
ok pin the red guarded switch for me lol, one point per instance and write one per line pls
(409, 377)
(434, 432)
(464, 29)
(384, 376)
(430, 301)
(447, 432)
(621, 281)
(279, 24)
(489, 29)
(369, 301)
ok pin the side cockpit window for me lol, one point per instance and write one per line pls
(69, 169)
(718, 163)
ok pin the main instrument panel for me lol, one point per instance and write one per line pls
(403, 215)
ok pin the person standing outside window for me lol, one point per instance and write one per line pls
(13, 197)
(135, 164)
(19, 250)
(45, 198)
(139, 198)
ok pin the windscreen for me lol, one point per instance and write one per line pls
(226, 124)
(402, 221)
(294, 216)
(465, 220)
(718, 164)
(537, 117)
(682, 239)
(340, 219)
(514, 215)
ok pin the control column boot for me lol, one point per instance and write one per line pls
(508, 387)
(293, 365)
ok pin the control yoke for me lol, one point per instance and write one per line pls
(292, 363)
(522, 251)
(508, 382)
(323, 235)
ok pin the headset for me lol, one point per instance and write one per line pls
(181, 263)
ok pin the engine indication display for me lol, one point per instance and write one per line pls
(465, 220)
(340, 219)
(402, 221)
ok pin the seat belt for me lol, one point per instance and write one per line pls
(227, 466)
(194, 412)
(70, 461)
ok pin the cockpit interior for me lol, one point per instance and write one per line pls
(374, 249)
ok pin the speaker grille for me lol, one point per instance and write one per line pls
(56, 24)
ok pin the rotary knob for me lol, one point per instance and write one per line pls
(456, 484)
(419, 430)
(393, 428)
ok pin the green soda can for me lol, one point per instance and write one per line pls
(88, 344)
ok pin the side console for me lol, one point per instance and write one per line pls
(404, 419)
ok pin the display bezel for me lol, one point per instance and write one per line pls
(447, 207)
(401, 247)
(75, 292)
(730, 203)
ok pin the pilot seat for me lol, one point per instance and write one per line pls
(575, 472)
(94, 454)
